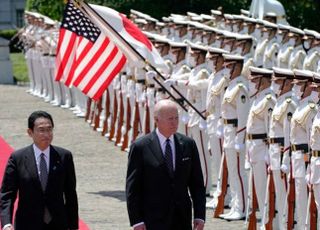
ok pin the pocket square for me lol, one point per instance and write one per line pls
(186, 158)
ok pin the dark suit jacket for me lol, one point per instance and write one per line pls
(60, 197)
(156, 198)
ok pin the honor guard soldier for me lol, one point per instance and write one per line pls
(313, 174)
(286, 46)
(180, 30)
(218, 19)
(272, 48)
(257, 132)
(209, 35)
(244, 46)
(298, 54)
(229, 39)
(311, 43)
(181, 72)
(234, 112)
(301, 123)
(196, 86)
(217, 83)
(279, 141)
(261, 45)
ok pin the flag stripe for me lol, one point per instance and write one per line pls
(112, 75)
(88, 64)
(65, 52)
(100, 70)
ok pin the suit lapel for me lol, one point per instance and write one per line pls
(31, 166)
(156, 148)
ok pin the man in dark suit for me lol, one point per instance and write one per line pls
(163, 172)
(44, 177)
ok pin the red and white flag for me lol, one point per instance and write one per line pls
(125, 34)
(86, 58)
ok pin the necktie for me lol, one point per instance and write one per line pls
(43, 172)
(44, 180)
(168, 157)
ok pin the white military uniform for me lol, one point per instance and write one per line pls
(181, 73)
(270, 54)
(284, 55)
(312, 59)
(279, 146)
(297, 58)
(257, 149)
(216, 88)
(234, 112)
(196, 94)
(313, 176)
(300, 132)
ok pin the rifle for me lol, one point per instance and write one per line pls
(313, 210)
(147, 121)
(128, 127)
(252, 217)
(97, 114)
(105, 124)
(271, 198)
(86, 117)
(223, 174)
(136, 121)
(291, 198)
(92, 111)
(120, 120)
(114, 116)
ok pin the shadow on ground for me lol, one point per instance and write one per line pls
(118, 194)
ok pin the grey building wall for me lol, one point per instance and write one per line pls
(11, 13)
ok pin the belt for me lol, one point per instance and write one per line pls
(150, 85)
(303, 147)
(161, 90)
(233, 122)
(316, 153)
(256, 136)
(141, 81)
(276, 140)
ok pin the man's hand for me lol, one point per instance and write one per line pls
(140, 227)
(198, 225)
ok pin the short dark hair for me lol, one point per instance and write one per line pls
(37, 114)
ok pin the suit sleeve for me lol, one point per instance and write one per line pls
(71, 199)
(133, 186)
(196, 186)
(8, 192)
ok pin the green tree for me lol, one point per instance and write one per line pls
(50, 8)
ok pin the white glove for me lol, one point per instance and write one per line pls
(219, 132)
(267, 159)
(150, 75)
(185, 118)
(239, 147)
(284, 168)
(169, 82)
(202, 124)
(247, 165)
(307, 178)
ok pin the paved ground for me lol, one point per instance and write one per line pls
(100, 166)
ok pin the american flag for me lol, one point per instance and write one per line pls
(86, 58)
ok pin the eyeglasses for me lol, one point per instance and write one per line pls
(44, 130)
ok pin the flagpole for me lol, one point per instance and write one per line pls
(78, 3)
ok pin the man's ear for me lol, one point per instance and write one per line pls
(29, 131)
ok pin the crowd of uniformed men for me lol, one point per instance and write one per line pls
(254, 87)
